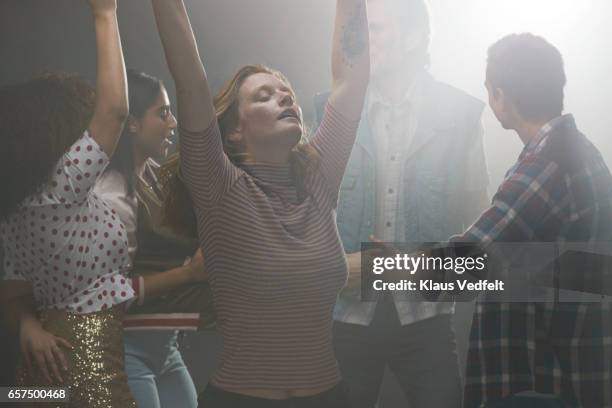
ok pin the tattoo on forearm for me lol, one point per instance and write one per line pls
(354, 35)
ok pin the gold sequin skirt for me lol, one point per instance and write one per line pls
(96, 376)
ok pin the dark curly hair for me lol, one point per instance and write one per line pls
(40, 120)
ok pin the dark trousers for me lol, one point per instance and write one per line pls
(9, 351)
(525, 402)
(214, 397)
(422, 356)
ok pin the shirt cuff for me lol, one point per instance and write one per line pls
(139, 289)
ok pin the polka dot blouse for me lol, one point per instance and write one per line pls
(67, 241)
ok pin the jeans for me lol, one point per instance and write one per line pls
(157, 375)
(214, 397)
(421, 355)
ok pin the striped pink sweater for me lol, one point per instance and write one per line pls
(276, 265)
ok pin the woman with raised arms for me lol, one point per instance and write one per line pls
(66, 285)
(265, 204)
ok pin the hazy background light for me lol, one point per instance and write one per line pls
(294, 36)
(463, 30)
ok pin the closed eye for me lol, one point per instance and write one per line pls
(164, 112)
(262, 95)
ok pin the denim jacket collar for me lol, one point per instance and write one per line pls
(364, 137)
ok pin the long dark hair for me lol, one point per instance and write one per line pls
(144, 90)
(178, 210)
(40, 120)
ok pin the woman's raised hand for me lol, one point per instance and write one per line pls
(195, 102)
(103, 6)
(111, 110)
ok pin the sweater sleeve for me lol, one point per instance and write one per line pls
(334, 141)
(205, 168)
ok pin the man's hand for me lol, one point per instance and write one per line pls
(42, 347)
(354, 262)
(100, 7)
(354, 268)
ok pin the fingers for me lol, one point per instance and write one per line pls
(385, 246)
(379, 250)
(354, 276)
(59, 354)
(50, 358)
(26, 356)
(198, 255)
(198, 261)
(64, 343)
(39, 357)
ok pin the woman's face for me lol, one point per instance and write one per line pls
(155, 127)
(270, 119)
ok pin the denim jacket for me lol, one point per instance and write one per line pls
(444, 180)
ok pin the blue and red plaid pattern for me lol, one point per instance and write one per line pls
(560, 190)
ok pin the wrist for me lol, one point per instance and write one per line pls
(190, 273)
(28, 322)
(105, 15)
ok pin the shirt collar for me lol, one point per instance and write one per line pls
(377, 99)
(540, 138)
(274, 174)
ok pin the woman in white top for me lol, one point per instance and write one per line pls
(157, 375)
(65, 250)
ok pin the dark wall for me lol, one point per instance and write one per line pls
(39, 36)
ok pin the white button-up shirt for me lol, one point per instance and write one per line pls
(393, 126)
(66, 241)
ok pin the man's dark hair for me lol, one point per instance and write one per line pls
(530, 72)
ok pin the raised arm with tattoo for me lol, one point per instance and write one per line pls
(335, 136)
(350, 58)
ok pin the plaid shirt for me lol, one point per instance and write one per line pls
(559, 190)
